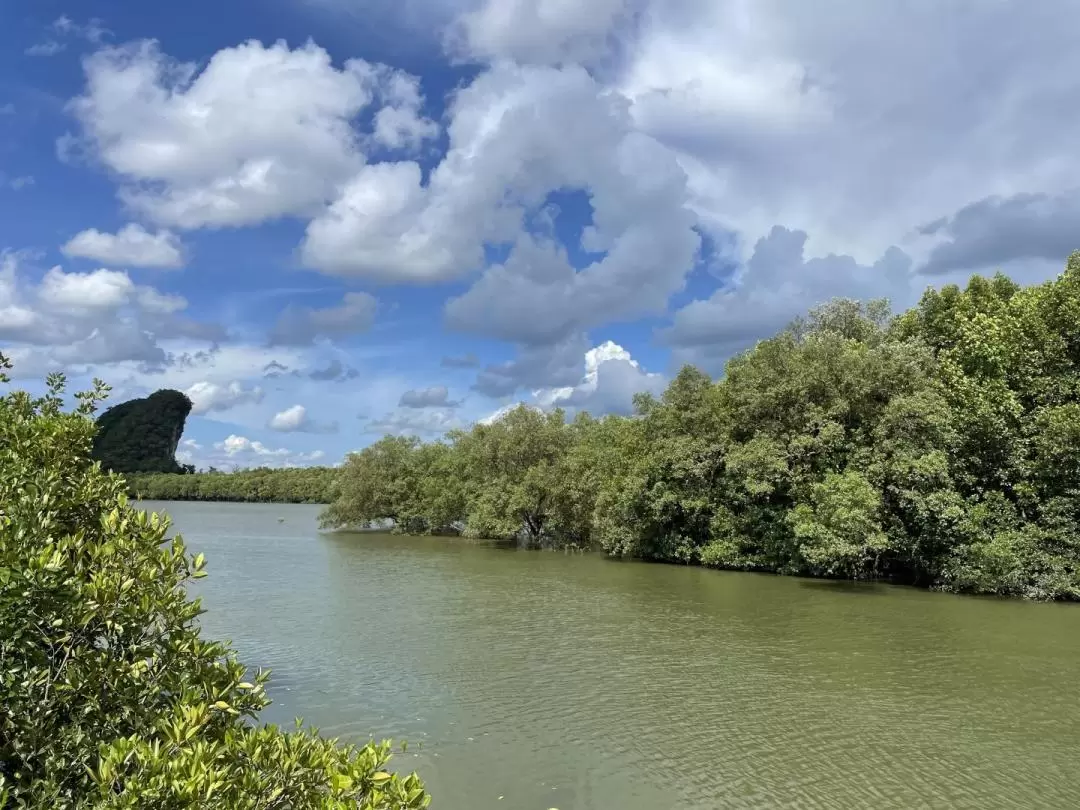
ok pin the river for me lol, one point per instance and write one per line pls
(531, 680)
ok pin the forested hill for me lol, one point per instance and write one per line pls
(141, 435)
(939, 448)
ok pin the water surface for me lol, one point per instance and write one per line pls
(537, 679)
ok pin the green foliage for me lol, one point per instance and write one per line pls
(264, 485)
(141, 435)
(109, 696)
(509, 472)
(838, 528)
(937, 448)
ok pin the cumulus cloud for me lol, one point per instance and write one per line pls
(99, 317)
(813, 148)
(296, 420)
(335, 370)
(208, 397)
(545, 31)
(289, 419)
(499, 413)
(427, 423)
(131, 246)
(220, 363)
(435, 397)
(856, 133)
(997, 231)
(260, 132)
(778, 284)
(612, 378)
(88, 292)
(399, 125)
(559, 365)
(241, 451)
(299, 326)
(516, 135)
(186, 451)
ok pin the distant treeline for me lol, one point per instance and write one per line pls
(940, 447)
(293, 485)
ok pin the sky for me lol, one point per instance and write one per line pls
(328, 220)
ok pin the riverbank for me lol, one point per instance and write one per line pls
(936, 448)
(308, 485)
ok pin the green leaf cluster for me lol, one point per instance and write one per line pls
(939, 447)
(109, 696)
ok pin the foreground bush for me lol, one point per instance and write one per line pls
(109, 697)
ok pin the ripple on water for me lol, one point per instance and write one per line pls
(577, 683)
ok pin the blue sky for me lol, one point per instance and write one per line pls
(326, 220)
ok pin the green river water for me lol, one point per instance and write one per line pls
(533, 680)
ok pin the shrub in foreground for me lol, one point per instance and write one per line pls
(109, 696)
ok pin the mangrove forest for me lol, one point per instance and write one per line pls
(937, 447)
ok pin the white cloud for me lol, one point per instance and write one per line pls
(92, 30)
(49, 47)
(857, 132)
(542, 366)
(612, 377)
(778, 284)
(64, 27)
(289, 419)
(131, 246)
(245, 452)
(384, 227)
(98, 290)
(296, 420)
(298, 326)
(517, 134)
(399, 125)
(401, 128)
(192, 363)
(260, 132)
(430, 422)
(207, 397)
(17, 183)
(437, 396)
(82, 319)
(997, 231)
(499, 413)
(544, 31)
(812, 146)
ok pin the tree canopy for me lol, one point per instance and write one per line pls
(109, 695)
(938, 447)
(259, 484)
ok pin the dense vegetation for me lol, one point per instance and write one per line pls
(291, 485)
(938, 448)
(141, 435)
(109, 696)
